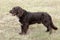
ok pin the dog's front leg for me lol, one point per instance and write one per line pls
(24, 28)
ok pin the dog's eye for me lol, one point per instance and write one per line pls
(14, 9)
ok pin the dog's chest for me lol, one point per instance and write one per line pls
(21, 20)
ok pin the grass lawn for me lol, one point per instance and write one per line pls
(10, 27)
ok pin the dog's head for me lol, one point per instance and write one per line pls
(17, 11)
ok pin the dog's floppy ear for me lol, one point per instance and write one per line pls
(20, 12)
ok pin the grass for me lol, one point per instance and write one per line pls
(10, 27)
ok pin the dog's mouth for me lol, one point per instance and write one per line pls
(13, 14)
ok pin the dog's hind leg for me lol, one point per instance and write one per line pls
(48, 26)
(49, 29)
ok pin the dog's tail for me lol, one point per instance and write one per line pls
(54, 27)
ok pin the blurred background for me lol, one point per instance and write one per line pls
(10, 27)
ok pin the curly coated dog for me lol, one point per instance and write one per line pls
(27, 18)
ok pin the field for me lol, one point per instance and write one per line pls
(10, 27)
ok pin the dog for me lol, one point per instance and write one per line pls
(27, 18)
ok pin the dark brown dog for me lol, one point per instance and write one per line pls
(28, 18)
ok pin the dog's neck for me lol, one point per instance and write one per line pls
(24, 14)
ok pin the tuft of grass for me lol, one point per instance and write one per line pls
(10, 27)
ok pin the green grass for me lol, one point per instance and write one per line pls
(10, 27)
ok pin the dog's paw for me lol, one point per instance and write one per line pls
(22, 33)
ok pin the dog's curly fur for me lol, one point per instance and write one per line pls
(28, 18)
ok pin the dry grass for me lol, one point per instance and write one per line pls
(10, 27)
